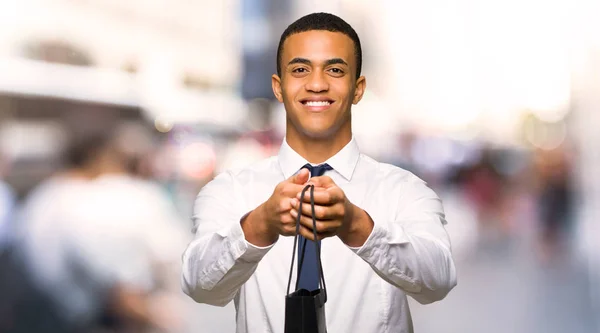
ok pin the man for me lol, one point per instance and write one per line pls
(381, 228)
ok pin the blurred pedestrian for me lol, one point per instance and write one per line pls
(99, 241)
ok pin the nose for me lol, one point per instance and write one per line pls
(317, 82)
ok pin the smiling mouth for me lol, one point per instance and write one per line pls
(317, 103)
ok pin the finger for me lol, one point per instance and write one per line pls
(288, 229)
(308, 234)
(285, 204)
(322, 212)
(322, 225)
(301, 177)
(325, 197)
(326, 234)
(289, 190)
(287, 220)
(288, 224)
(295, 203)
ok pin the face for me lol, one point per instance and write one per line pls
(318, 84)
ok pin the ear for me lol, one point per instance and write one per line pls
(359, 89)
(276, 85)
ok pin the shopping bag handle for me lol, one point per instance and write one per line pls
(317, 245)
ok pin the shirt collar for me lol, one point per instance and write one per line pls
(344, 162)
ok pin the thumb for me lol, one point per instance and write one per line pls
(322, 181)
(300, 177)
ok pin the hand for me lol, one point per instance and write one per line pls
(333, 211)
(263, 226)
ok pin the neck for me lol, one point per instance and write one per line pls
(106, 165)
(317, 150)
(110, 169)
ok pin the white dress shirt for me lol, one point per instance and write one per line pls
(407, 253)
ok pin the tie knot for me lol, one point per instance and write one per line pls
(317, 170)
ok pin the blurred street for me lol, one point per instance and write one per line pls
(504, 288)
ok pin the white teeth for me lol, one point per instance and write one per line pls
(317, 103)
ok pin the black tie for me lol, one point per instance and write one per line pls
(309, 276)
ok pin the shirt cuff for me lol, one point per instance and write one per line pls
(244, 250)
(383, 234)
(372, 242)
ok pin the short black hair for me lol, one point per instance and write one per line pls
(321, 21)
(83, 147)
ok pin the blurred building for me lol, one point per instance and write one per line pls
(70, 65)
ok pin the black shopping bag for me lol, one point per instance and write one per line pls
(305, 309)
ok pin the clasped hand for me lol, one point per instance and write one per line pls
(333, 211)
(277, 216)
(335, 215)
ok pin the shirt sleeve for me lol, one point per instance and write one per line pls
(219, 260)
(412, 250)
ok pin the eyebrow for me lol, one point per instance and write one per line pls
(334, 61)
(327, 62)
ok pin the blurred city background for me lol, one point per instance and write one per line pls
(114, 114)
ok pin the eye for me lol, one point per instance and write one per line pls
(299, 70)
(337, 72)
